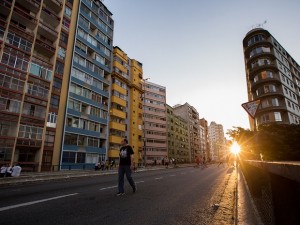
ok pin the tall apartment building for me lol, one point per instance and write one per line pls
(85, 136)
(155, 122)
(216, 141)
(126, 110)
(178, 144)
(204, 141)
(190, 114)
(42, 123)
(273, 77)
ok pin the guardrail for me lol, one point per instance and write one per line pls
(275, 190)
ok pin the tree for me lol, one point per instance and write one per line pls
(274, 141)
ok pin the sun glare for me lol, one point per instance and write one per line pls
(235, 148)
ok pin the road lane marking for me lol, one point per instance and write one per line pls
(158, 178)
(140, 182)
(35, 202)
(105, 188)
(173, 175)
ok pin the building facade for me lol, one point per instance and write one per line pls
(54, 82)
(178, 144)
(217, 141)
(126, 111)
(204, 140)
(273, 77)
(155, 123)
(85, 136)
(190, 114)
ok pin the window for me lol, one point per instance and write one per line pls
(49, 138)
(59, 68)
(277, 116)
(68, 157)
(64, 38)
(80, 157)
(66, 23)
(61, 53)
(68, 12)
(54, 102)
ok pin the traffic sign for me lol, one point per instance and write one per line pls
(251, 107)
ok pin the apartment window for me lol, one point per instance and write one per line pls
(49, 138)
(66, 23)
(72, 104)
(266, 74)
(54, 102)
(269, 88)
(31, 132)
(259, 50)
(9, 105)
(80, 157)
(61, 53)
(52, 117)
(57, 84)
(14, 61)
(59, 68)
(277, 116)
(255, 39)
(68, 157)
(81, 47)
(64, 38)
(40, 71)
(68, 12)
(19, 42)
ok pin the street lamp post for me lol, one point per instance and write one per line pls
(144, 130)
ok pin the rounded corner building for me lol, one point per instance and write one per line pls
(273, 77)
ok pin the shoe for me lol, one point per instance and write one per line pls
(120, 193)
(134, 189)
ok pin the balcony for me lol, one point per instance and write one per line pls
(27, 19)
(29, 142)
(117, 126)
(255, 85)
(44, 47)
(48, 16)
(31, 5)
(20, 30)
(5, 6)
(55, 5)
(118, 113)
(47, 31)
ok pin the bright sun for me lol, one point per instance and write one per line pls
(235, 148)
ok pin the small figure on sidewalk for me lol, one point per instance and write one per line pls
(97, 166)
(8, 171)
(3, 170)
(16, 170)
(166, 162)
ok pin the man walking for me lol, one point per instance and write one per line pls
(126, 166)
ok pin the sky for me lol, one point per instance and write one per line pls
(194, 47)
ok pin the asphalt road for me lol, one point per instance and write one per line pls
(172, 196)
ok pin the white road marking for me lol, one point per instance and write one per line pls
(140, 182)
(105, 188)
(172, 175)
(158, 178)
(34, 202)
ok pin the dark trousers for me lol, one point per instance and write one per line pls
(122, 171)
